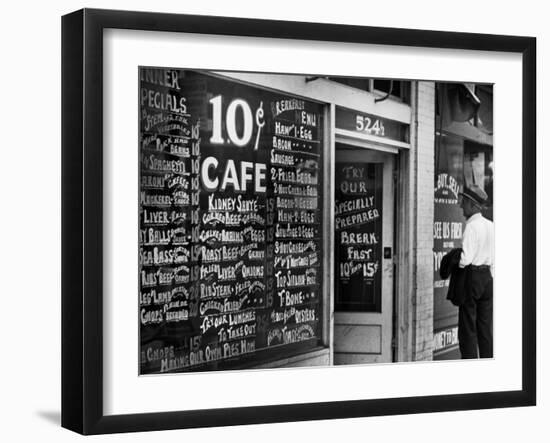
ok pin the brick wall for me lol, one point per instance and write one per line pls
(422, 164)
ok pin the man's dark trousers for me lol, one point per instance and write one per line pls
(475, 315)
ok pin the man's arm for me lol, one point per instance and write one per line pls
(469, 242)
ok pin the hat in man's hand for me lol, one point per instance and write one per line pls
(476, 194)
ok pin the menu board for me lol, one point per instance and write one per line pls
(230, 223)
(358, 247)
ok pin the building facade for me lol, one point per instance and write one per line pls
(345, 252)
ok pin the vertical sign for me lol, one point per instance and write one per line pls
(447, 231)
(358, 248)
(230, 223)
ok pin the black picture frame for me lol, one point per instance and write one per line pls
(82, 231)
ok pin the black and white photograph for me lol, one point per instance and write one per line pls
(306, 220)
(268, 222)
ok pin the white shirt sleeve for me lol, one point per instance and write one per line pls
(469, 245)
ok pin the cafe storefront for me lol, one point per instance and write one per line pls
(305, 230)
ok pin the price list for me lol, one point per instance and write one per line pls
(292, 312)
(358, 223)
(230, 223)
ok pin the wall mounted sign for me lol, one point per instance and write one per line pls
(368, 124)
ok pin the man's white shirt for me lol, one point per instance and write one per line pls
(478, 242)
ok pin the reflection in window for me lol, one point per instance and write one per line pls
(478, 170)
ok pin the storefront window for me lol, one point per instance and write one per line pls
(485, 112)
(459, 163)
(463, 157)
(395, 89)
(230, 248)
(358, 248)
(364, 84)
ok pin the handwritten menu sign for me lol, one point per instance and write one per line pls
(230, 223)
(358, 224)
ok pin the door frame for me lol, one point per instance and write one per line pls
(386, 151)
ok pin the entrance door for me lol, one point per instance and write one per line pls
(363, 303)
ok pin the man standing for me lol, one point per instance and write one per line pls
(475, 316)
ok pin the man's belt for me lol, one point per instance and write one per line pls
(480, 267)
